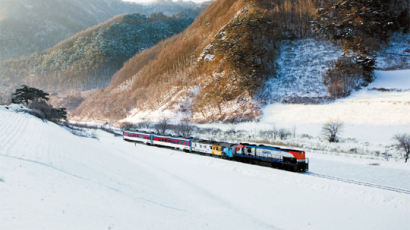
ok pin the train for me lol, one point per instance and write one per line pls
(271, 155)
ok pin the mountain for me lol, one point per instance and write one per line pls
(220, 67)
(29, 26)
(89, 59)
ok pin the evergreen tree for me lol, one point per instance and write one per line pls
(27, 94)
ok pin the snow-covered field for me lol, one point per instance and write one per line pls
(368, 115)
(51, 179)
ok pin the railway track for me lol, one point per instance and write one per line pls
(388, 188)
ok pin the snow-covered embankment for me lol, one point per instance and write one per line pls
(55, 180)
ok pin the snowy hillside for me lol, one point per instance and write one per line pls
(51, 179)
(396, 54)
(300, 69)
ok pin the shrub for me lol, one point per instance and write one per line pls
(349, 73)
(45, 111)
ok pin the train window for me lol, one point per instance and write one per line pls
(249, 150)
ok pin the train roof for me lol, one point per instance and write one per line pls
(274, 146)
(176, 137)
(139, 132)
(203, 141)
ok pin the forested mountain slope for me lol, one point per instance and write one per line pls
(28, 26)
(90, 58)
(219, 67)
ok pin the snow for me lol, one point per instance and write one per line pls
(397, 79)
(209, 57)
(55, 180)
(174, 112)
(368, 114)
(300, 68)
(52, 179)
(396, 54)
(206, 54)
(370, 117)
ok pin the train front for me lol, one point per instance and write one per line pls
(300, 160)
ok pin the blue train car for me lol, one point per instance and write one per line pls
(278, 156)
(228, 150)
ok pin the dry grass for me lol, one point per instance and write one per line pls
(243, 60)
(154, 72)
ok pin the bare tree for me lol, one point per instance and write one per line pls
(331, 130)
(128, 126)
(294, 132)
(230, 133)
(162, 127)
(268, 134)
(284, 134)
(275, 133)
(144, 125)
(403, 143)
(184, 128)
(215, 131)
